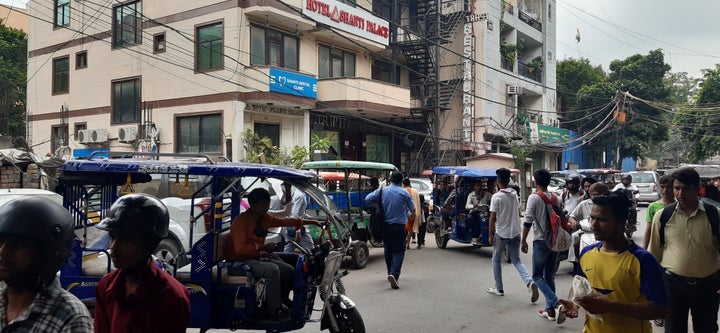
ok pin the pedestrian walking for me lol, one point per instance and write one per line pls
(422, 225)
(138, 296)
(397, 207)
(686, 245)
(627, 278)
(504, 233)
(413, 224)
(536, 216)
(36, 236)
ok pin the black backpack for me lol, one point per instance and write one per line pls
(710, 210)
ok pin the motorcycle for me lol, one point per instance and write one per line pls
(587, 238)
(631, 224)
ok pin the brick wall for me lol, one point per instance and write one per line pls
(12, 177)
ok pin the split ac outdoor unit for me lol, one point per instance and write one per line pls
(127, 134)
(514, 90)
(98, 136)
(83, 136)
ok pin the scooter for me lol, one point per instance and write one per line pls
(631, 224)
(587, 238)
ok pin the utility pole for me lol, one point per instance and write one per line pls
(436, 143)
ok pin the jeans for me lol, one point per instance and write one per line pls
(544, 272)
(394, 235)
(513, 247)
(699, 296)
(278, 277)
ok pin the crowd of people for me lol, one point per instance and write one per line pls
(676, 271)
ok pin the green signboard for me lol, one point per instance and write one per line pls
(547, 134)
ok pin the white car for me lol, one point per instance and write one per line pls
(423, 186)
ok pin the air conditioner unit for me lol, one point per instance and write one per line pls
(99, 136)
(514, 90)
(83, 136)
(127, 134)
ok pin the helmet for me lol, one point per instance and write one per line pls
(43, 220)
(627, 176)
(573, 178)
(137, 212)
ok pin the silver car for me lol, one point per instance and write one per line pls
(423, 186)
(647, 183)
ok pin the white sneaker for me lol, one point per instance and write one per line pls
(475, 241)
(533, 290)
(494, 291)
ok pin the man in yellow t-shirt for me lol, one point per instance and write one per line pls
(627, 283)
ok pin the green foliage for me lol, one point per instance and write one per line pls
(298, 156)
(255, 147)
(321, 143)
(699, 125)
(572, 75)
(508, 51)
(13, 74)
(536, 65)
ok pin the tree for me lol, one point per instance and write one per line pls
(573, 75)
(699, 122)
(13, 74)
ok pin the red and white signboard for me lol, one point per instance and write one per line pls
(349, 19)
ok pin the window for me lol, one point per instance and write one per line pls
(81, 60)
(272, 131)
(127, 24)
(335, 62)
(126, 101)
(79, 127)
(62, 13)
(199, 134)
(209, 47)
(274, 48)
(159, 43)
(59, 136)
(61, 76)
(349, 2)
(383, 71)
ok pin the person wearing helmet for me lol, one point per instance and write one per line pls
(247, 234)
(36, 236)
(138, 296)
(572, 194)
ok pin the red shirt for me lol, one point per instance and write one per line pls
(160, 304)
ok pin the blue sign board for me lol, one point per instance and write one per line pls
(293, 83)
(85, 153)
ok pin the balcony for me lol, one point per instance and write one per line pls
(507, 64)
(363, 97)
(508, 7)
(529, 72)
(277, 14)
(528, 18)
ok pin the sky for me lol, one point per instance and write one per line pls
(686, 31)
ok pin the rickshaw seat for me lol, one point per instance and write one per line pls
(241, 273)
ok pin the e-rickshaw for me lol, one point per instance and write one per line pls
(223, 294)
(465, 225)
(359, 179)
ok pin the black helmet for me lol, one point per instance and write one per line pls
(627, 176)
(141, 213)
(573, 178)
(44, 221)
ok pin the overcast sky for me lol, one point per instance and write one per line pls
(687, 31)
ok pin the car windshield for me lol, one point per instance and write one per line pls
(643, 178)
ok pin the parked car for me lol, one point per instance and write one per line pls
(423, 186)
(8, 194)
(648, 184)
(557, 184)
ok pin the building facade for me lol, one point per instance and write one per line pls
(414, 83)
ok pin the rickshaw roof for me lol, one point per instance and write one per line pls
(343, 164)
(230, 169)
(332, 175)
(464, 171)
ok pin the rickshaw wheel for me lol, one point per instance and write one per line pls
(440, 239)
(430, 224)
(375, 243)
(348, 320)
(360, 255)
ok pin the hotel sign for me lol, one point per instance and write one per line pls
(349, 19)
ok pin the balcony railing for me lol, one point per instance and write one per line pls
(507, 64)
(527, 18)
(529, 72)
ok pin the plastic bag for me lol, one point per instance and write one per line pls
(581, 288)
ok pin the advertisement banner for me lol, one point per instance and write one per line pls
(290, 83)
(348, 18)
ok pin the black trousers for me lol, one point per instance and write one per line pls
(698, 296)
(421, 234)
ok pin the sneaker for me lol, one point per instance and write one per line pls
(533, 290)
(560, 318)
(494, 291)
(659, 322)
(475, 241)
(547, 315)
(393, 282)
(419, 246)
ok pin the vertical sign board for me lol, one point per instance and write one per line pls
(468, 99)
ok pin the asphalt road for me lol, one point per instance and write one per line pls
(443, 290)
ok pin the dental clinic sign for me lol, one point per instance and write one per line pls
(349, 19)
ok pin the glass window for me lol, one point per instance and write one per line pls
(60, 136)
(382, 71)
(126, 101)
(159, 43)
(273, 48)
(199, 134)
(62, 13)
(81, 60)
(61, 75)
(334, 62)
(127, 24)
(209, 47)
(271, 131)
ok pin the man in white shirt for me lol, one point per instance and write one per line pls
(505, 232)
(581, 212)
(572, 195)
(477, 198)
(299, 205)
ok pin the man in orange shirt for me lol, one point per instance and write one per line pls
(247, 233)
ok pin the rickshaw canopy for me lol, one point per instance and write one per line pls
(464, 171)
(343, 164)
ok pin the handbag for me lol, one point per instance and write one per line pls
(377, 220)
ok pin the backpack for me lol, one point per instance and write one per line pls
(557, 234)
(712, 215)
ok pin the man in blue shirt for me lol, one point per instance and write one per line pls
(398, 207)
